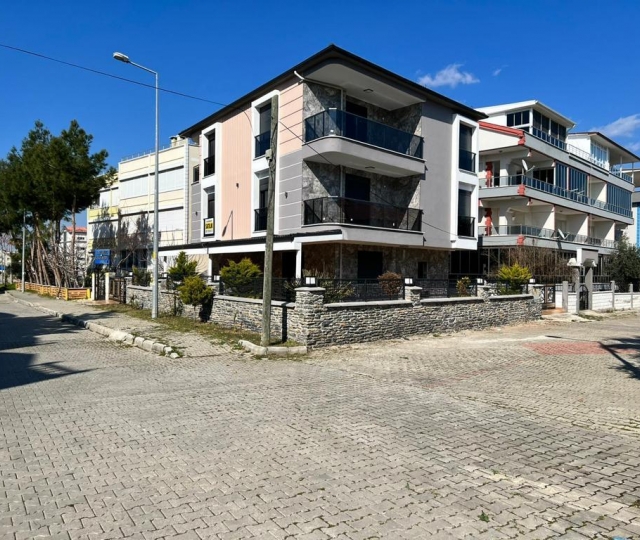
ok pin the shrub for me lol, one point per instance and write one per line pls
(239, 278)
(182, 268)
(463, 287)
(141, 277)
(390, 283)
(512, 278)
(195, 293)
(335, 290)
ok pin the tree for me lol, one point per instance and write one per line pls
(182, 268)
(624, 265)
(240, 278)
(49, 179)
(195, 293)
(513, 278)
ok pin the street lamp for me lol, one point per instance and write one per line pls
(154, 292)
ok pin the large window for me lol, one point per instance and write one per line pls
(211, 203)
(517, 119)
(467, 159)
(547, 129)
(544, 175)
(263, 139)
(600, 154)
(578, 181)
(619, 198)
(210, 160)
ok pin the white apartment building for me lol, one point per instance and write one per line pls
(541, 185)
(66, 244)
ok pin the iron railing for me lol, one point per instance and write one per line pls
(550, 234)
(263, 143)
(467, 160)
(466, 226)
(282, 289)
(558, 191)
(209, 165)
(549, 139)
(351, 126)
(357, 212)
(587, 156)
(260, 219)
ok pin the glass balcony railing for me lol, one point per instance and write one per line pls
(209, 165)
(467, 161)
(549, 234)
(263, 143)
(260, 221)
(570, 195)
(344, 124)
(356, 212)
(466, 226)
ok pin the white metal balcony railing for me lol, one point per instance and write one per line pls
(558, 191)
(153, 151)
(542, 233)
(599, 163)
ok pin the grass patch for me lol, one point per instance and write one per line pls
(182, 324)
(7, 287)
(483, 517)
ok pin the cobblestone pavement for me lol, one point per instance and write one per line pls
(511, 434)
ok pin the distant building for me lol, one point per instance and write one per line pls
(66, 244)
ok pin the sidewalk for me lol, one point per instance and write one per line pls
(147, 335)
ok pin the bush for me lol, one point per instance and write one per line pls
(390, 283)
(195, 293)
(182, 268)
(512, 279)
(463, 287)
(239, 278)
(141, 277)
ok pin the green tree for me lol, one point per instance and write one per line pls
(195, 293)
(240, 278)
(512, 278)
(182, 268)
(624, 266)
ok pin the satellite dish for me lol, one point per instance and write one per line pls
(561, 234)
(526, 167)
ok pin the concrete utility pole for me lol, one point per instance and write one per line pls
(24, 242)
(265, 339)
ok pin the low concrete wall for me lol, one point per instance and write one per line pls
(316, 324)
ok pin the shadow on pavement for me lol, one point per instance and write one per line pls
(19, 369)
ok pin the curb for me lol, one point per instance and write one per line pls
(155, 347)
(276, 351)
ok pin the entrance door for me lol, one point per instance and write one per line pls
(369, 264)
(357, 188)
(288, 264)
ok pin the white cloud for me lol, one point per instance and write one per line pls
(497, 72)
(634, 147)
(622, 127)
(449, 76)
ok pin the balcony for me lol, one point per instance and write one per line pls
(263, 143)
(547, 234)
(355, 212)
(549, 139)
(467, 161)
(334, 122)
(466, 226)
(209, 165)
(558, 191)
(260, 220)
(599, 163)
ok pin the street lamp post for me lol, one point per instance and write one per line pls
(154, 292)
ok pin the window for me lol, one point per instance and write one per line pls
(263, 139)
(423, 270)
(467, 159)
(196, 174)
(211, 203)
(600, 154)
(466, 221)
(210, 160)
(577, 181)
(516, 119)
(561, 175)
(618, 200)
(369, 264)
(544, 175)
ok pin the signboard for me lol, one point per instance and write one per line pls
(102, 256)
(209, 229)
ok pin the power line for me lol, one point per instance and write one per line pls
(181, 94)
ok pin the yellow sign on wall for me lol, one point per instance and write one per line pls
(209, 229)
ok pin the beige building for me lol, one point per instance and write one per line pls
(123, 220)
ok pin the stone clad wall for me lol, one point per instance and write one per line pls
(246, 314)
(319, 325)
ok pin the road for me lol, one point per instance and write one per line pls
(527, 432)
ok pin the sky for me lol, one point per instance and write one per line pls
(578, 57)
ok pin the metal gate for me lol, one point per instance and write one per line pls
(100, 293)
(118, 289)
(583, 297)
(548, 296)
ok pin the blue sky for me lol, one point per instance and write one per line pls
(576, 56)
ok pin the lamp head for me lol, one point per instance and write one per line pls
(121, 57)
